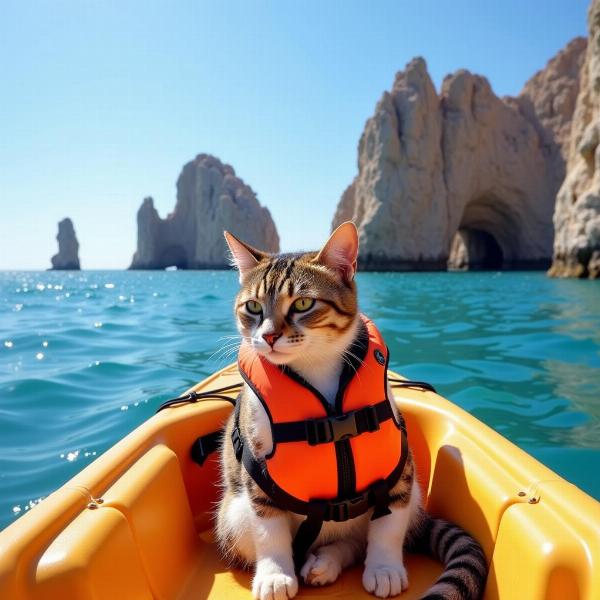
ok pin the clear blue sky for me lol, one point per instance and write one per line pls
(101, 103)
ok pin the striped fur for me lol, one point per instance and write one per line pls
(465, 571)
(315, 343)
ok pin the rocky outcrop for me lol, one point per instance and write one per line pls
(577, 214)
(68, 248)
(398, 198)
(548, 100)
(429, 165)
(210, 198)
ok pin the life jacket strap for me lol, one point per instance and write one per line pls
(308, 532)
(205, 445)
(317, 511)
(381, 495)
(335, 428)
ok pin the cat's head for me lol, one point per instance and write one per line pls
(294, 307)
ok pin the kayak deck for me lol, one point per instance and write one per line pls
(214, 580)
(136, 523)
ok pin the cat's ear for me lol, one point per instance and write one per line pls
(341, 251)
(243, 256)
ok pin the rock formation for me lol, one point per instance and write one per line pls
(68, 248)
(432, 165)
(210, 198)
(577, 214)
(548, 100)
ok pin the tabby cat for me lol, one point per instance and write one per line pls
(300, 312)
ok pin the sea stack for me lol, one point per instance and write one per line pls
(210, 199)
(577, 214)
(68, 248)
(462, 171)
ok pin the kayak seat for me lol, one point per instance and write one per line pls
(95, 556)
(140, 542)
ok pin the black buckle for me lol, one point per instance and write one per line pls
(331, 429)
(238, 444)
(344, 427)
(334, 429)
(346, 509)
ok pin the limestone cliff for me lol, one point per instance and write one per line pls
(67, 257)
(548, 100)
(430, 165)
(577, 215)
(210, 198)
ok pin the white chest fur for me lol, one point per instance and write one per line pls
(325, 379)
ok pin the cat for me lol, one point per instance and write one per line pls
(300, 313)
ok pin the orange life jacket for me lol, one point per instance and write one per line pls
(329, 462)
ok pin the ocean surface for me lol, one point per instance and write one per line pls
(85, 357)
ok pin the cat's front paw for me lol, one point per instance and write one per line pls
(320, 569)
(385, 580)
(274, 586)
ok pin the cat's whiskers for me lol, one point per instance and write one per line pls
(226, 346)
(355, 364)
(347, 354)
(228, 355)
(230, 348)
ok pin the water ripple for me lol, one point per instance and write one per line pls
(85, 357)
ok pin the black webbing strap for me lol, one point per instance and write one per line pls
(381, 494)
(308, 532)
(205, 445)
(378, 496)
(317, 511)
(333, 429)
(313, 431)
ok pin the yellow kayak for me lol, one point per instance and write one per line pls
(136, 523)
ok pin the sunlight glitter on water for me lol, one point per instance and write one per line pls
(519, 351)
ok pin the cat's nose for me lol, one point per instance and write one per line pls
(271, 338)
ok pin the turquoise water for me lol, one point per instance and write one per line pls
(85, 357)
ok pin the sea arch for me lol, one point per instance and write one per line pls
(487, 236)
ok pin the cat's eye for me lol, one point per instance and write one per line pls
(253, 307)
(303, 304)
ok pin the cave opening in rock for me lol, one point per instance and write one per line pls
(488, 235)
(174, 256)
(475, 250)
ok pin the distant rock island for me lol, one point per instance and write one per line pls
(210, 199)
(577, 214)
(463, 178)
(68, 248)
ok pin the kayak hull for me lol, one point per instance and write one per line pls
(136, 523)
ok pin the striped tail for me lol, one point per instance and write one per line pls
(466, 568)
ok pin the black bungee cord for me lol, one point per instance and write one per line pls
(219, 393)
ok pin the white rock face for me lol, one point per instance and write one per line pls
(577, 215)
(400, 178)
(548, 99)
(429, 165)
(210, 199)
(68, 248)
